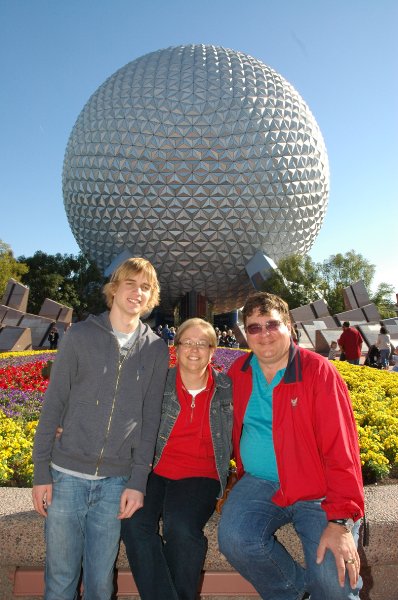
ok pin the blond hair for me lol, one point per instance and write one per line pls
(207, 328)
(130, 267)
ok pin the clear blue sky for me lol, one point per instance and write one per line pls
(340, 55)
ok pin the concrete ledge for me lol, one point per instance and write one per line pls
(22, 551)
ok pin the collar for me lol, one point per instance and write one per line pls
(293, 372)
(209, 383)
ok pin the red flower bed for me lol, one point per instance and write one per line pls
(173, 358)
(26, 377)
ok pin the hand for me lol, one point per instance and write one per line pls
(341, 543)
(130, 501)
(41, 497)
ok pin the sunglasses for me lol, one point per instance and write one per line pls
(269, 326)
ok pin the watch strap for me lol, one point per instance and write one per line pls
(347, 523)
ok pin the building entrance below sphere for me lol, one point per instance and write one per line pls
(193, 304)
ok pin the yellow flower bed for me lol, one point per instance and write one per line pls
(25, 353)
(374, 395)
(16, 443)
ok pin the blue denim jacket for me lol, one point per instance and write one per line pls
(220, 421)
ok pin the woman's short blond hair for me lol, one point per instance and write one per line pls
(207, 328)
(130, 267)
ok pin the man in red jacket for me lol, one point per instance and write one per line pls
(350, 343)
(296, 448)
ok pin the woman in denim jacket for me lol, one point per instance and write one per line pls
(190, 471)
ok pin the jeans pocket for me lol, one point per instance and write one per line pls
(57, 476)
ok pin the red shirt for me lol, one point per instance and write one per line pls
(351, 343)
(189, 450)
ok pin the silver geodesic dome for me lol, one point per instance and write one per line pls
(196, 157)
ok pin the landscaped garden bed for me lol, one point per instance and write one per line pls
(374, 396)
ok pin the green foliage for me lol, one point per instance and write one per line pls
(68, 279)
(299, 280)
(10, 268)
(338, 272)
(383, 300)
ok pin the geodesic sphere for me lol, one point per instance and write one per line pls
(196, 157)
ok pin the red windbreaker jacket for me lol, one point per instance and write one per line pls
(314, 433)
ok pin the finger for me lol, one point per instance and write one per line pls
(124, 514)
(49, 495)
(39, 506)
(341, 575)
(320, 554)
(122, 505)
(130, 509)
(125, 509)
(353, 572)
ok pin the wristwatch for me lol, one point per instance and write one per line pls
(347, 523)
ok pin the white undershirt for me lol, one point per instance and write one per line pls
(194, 393)
(126, 340)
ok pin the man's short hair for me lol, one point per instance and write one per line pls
(264, 303)
(346, 324)
(128, 268)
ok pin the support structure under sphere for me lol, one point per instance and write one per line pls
(196, 157)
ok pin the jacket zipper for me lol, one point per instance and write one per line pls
(121, 363)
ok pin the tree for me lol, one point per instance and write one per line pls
(9, 267)
(300, 281)
(70, 280)
(383, 300)
(297, 280)
(340, 271)
(88, 283)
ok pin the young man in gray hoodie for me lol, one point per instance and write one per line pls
(105, 392)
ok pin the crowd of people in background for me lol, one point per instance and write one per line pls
(381, 355)
(225, 337)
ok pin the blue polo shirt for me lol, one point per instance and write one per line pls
(256, 444)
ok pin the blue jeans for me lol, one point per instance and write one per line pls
(246, 537)
(82, 529)
(354, 361)
(384, 357)
(169, 567)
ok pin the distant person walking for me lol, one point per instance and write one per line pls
(166, 334)
(53, 338)
(350, 342)
(384, 345)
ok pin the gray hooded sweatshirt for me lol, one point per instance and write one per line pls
(109, 408)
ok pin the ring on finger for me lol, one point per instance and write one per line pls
(350, 561)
